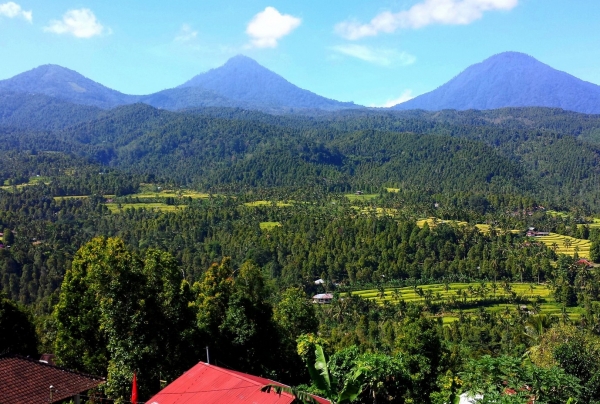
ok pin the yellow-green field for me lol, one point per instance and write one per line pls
(377, 211)
(163, 207)
(439, 293)
(567, 245)
(269, 225)
(279, 204)
(394, 190)
(362, 197)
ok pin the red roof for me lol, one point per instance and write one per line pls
(28, 381)
(209, 384)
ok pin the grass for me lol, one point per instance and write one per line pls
(269, 225)
(439, 293)
(163, 207)
(394, 190)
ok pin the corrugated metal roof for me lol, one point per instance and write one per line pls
(323, 296)
(209, 384)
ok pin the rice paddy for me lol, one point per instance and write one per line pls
(566, 245)
(467, 293)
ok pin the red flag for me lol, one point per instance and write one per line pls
(134, 390)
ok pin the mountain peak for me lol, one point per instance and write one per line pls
(510, 79)
(66, 84)
(243, 79)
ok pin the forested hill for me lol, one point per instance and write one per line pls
(510, 79)
(532, 152)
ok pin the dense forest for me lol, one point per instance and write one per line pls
(216, 226)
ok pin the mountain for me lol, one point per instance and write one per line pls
(41, 112)
(190, 97)
(60, 82)
(244, 80)
(510, 79)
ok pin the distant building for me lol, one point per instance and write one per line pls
(323, 298)
(209, 384)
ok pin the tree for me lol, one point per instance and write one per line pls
(17, 333)
(295, 314)
(118, 311)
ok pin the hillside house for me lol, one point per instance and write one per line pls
(323, 298)
(209, 384)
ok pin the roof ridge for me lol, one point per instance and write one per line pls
(239, 374)
(9, 355)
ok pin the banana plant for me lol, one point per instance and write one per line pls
(324, 381)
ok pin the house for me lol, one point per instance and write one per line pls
(210, 384)
(323, 298)
(30, 381)
(585, 263)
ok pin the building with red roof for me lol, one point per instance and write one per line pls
(30, 381)
(209, 384)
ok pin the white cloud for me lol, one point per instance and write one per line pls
(269, 26)
(405, 96)
(81, 23)
(186, 33)
(12, 10)
(428, 12)
(382, 57)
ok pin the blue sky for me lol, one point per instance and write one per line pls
(370, 52)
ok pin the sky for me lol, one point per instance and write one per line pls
(375, 53)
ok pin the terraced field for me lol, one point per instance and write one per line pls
(470, 292)
(566, 245)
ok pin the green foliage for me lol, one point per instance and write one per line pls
(119, 311)
(17, 329)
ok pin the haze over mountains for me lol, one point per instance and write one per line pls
(508, 79)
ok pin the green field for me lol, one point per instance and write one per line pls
(163, 207)
(474, 292)
(363, 197)
(269, 225)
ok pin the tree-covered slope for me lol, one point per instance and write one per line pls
(42, 112)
